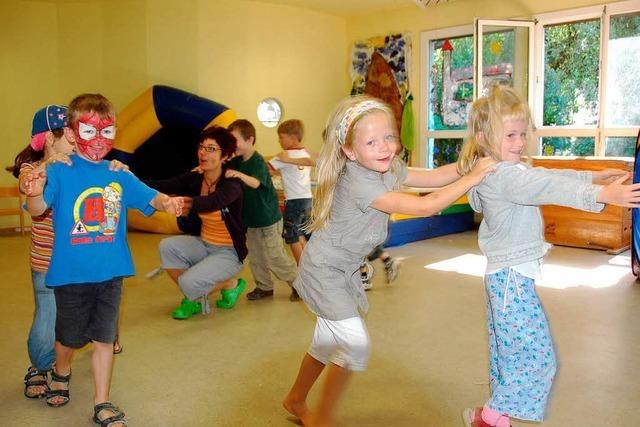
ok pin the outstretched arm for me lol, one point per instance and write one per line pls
(299, 161)
(172, 205)
(24, 172)
(620, 194)
(34, 187)
(608, 176)
(247, 180)
(432, 178)
(432, 203)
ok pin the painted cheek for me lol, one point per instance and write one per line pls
(96, 149)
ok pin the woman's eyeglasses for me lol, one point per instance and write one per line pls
(208, 148)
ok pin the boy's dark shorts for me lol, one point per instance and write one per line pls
(296, 215)
(87, 312)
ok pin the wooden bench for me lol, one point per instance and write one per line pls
(608, 230)
(14, 204)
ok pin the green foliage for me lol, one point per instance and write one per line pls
(568, 146)
(623, 26)
(572, 56)
(571, 83)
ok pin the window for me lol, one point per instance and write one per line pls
(585, 94)
(588, 92)
(448, 83)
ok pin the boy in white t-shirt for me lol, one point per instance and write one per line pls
(296, 180)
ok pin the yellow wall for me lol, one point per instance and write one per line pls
(231, 51)
(29, 71)
(235, 52)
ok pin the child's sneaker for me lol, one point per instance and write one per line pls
(472, 417)
(366, 273)
(392, 268)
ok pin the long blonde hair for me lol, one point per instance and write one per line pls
(485, 125)
(339, 132)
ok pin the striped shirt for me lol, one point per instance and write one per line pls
(214, 230)
(41, 232)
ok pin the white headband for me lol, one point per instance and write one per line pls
(353, 112)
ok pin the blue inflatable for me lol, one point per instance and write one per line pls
(635, 217)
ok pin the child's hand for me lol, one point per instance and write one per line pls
(58, 158)
(173, 205)
(483, 166)
(197, 169)
(607, 176)
(231, 173)
(187, 203)
(117, 165)
(620, 194)
(34, 183)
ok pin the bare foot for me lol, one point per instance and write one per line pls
(298, 409)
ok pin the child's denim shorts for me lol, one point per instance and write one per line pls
(296, 215)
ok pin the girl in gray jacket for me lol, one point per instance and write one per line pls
(521, 354)
(358, 178)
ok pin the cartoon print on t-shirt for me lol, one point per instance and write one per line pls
(98, 210)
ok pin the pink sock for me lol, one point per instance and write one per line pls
(494, 418)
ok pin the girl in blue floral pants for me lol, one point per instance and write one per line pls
(522, 361)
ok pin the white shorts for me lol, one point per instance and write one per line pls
(343, 342)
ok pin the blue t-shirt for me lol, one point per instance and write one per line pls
(89, 205)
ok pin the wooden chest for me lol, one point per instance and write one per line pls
(608, 230)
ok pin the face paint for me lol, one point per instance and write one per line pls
(94, 136)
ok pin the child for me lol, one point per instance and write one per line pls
(358, 175)
(296, 181)
(391, 266)
(261, 215)
(521, 355)
(90, 251)
(48, 145)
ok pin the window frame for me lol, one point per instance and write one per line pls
(425, 106)
(599, 131)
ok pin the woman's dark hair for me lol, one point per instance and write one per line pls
(223, 137)
(29, 155)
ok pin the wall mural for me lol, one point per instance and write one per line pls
(396, 51)
(379, 68)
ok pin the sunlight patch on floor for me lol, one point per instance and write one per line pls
(553, 275)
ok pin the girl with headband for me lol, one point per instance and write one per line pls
(358, 178)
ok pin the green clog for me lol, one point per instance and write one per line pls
(230, 296)
(187, 309)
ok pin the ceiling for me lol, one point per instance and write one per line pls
(354, 7)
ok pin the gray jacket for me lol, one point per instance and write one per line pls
(512, 230)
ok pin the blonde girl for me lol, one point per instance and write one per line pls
(521, 354)
(358, 181)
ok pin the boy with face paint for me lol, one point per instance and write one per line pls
(91, 255)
